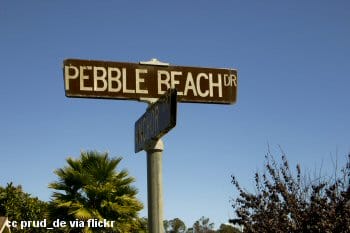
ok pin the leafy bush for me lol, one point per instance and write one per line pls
(284, 202)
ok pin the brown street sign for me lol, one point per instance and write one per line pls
(159, 118)
(120, 80)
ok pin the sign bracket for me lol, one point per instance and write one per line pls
(154, 62)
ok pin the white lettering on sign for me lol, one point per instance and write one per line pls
(200, 92)
(162, 81)
(175, 82)
(166, 81)
(140, 80)
(68, 76)
(83, 78)
(114, 75)
(189, 85)
(212, 84)
(100, 74)
(89, 78)
(230, 80)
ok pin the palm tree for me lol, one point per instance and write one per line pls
(91, 188)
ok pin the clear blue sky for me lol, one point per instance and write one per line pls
(293, 60)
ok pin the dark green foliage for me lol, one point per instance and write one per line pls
(224, 228)
(203, 225)
(175, 225)
(20, 206)
(286, 203)
(91, 188)
(141, 227)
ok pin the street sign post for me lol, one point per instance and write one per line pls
(149, 82)
(120, 80)
(159, 118)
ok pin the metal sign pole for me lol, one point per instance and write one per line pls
(155, 175)
(155, 187)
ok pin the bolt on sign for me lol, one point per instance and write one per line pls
(159, 119)
(120, 80)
